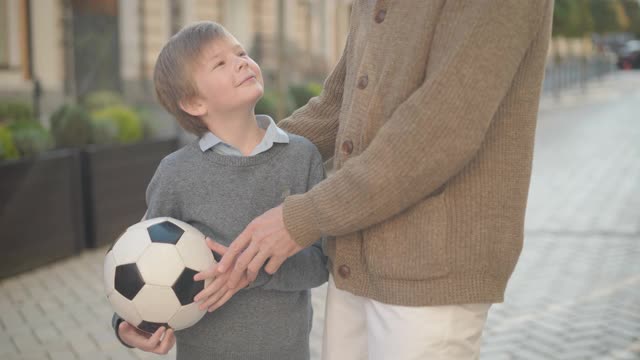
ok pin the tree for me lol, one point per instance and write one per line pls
(632, 10)
(572, 18)
(608, 16)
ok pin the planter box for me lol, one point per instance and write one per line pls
(40, 210)
(115, 182)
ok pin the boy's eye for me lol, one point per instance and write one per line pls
(242, 53)
(218, 64)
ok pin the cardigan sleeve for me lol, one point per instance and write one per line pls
(476, 51)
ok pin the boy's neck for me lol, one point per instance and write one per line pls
(239, 129)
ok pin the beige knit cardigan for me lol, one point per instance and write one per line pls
(430, 116)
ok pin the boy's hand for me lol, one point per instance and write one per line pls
(218, 292)
(154, 343)
(265, 238)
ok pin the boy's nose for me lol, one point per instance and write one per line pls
(241, 64)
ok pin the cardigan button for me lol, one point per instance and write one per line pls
(363, 81)
(344, 271)
(347, 147)
(380, 16)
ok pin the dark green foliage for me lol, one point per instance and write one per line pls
(7, 147)
(71, 126)
(30, 138)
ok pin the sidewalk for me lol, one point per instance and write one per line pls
(575, 293)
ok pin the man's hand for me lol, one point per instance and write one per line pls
(266, 237)
(218, 292)
(154, 343)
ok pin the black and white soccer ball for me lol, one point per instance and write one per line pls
(148, 274)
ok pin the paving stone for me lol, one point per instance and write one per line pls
(62, 355)
(26, 342)
(41, 355)
(46, 334)
(7, 348)
(122, 353)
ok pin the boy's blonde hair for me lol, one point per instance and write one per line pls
(173, 75)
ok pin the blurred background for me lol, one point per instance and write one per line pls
(81, 135)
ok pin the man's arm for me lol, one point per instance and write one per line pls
(436, 131)
(475, 54)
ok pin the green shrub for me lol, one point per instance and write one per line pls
(30, 138)
(15, 111)
(315, 88)
(71, 126)
(99, 100)
(267, 105)
(127, 122)
(104, 131)
(148, 126)
(301, 94)
(7, 147)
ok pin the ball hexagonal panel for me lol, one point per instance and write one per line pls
(160, 265)
(194, 251)
(165, 232)
(130, 246)
(187, 316)
(125, 308)
(128, 280)
(109, 273)
(156, 303)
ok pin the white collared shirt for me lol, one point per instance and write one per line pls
(273, 134)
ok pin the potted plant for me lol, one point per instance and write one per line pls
(118, 167)
(119, 156)
(41, 207)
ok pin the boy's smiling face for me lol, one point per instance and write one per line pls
(226, 77)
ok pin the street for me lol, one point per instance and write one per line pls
(575, 293)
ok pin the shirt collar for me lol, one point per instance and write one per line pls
(273, 134)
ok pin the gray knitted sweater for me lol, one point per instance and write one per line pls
(220, 195)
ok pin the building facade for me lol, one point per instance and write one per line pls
(52, 51)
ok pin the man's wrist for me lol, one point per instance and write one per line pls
(298, 216)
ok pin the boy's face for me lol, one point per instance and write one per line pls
(227, 78)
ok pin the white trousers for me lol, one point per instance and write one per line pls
(358, 328)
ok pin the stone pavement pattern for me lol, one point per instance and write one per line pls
(575, 293)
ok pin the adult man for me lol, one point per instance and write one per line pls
(430, 118)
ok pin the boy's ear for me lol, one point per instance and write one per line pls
(193, 106)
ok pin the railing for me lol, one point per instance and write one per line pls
(572, 72)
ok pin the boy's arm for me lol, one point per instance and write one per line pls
(155, 207)
(306, 269)
(437, 130)
(318, 119)
(115, 323)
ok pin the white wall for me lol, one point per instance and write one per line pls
(48, 41)
(129, 29)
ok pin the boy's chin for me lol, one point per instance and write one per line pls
(257, 98)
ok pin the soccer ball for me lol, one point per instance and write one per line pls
(148, 274)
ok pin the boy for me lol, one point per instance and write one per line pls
(241, 166)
